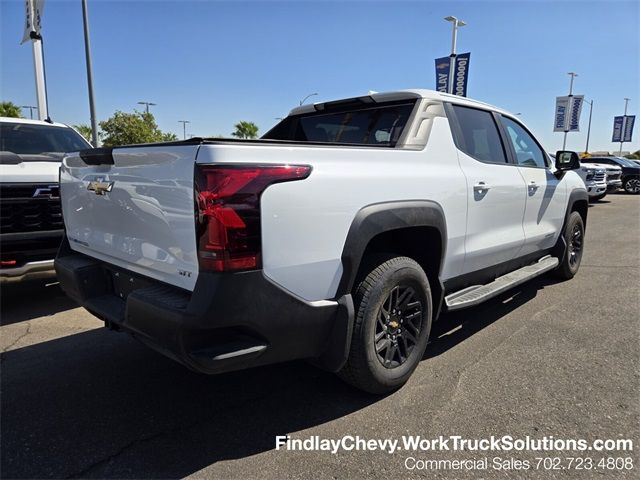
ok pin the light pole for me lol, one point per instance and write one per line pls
(305, 98)
(454, 39)
(184, 128)
(31, 109)
(586, 147)
(87, 53)
(572, 75)
(147, 105)
(624, 124)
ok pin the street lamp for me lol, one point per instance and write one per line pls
(147, 105)
(184, 128)
(305, 98)
(586, 148)
(31, 109)
(454, 38)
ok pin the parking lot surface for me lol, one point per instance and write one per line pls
(548, 358)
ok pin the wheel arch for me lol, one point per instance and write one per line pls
(578, 202)
(415, 228)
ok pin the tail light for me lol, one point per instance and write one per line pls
(228, 201)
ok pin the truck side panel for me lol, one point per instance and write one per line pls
(305, 224)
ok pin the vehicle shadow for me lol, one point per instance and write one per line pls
(28, 300)
(455, 327)
(97, 404)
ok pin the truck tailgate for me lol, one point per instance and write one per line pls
(137, 213)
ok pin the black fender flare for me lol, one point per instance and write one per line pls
(576, 195)
(382, 217)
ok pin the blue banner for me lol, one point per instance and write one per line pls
(617, 129)
(575, 107)
(461, 74)
(628, 127)
(443, 66)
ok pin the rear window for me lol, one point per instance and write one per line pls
(28, 139)
(373, 124)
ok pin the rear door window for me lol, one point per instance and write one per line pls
(477, 135)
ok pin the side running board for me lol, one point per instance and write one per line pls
(476, 294)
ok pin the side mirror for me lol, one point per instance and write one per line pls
(567, 160)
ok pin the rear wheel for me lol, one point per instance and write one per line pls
(574, 237)
(632, 185)
(392, 325)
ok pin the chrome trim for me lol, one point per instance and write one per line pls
(28, 271)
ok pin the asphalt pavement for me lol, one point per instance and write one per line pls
(549, 358)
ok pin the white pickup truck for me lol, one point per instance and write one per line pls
(338, 237)
(31, 228)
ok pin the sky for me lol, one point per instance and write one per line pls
(215, 63)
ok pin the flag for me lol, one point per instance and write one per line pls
(461, 74)
(443, 66)
(33, 19)
(568, 109)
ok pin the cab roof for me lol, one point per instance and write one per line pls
(31, 122)
(405, 94)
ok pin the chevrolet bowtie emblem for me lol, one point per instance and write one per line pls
(100, 187)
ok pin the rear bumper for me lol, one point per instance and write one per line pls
(29, 271)
(230, 321)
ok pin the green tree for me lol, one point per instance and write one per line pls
(634, 156)
(131, 128)
(245, 130)
(10, 109)
(169, 137)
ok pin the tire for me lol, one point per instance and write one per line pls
(597, 198)
(632, 185)
(400, 287)
(574, 236)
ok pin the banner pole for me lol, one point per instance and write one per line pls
(452, 64)
(87, 52)
(586, 148)
(38, 65)
(570, 109)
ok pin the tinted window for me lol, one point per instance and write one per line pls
(28, 139)
(599, 160)
(381, 125)
(528, 153)
(480, 137)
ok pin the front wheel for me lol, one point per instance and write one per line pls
(574, 237)
(632, 185)
(392, 325)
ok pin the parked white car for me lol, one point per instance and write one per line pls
(594, 178)
(31, 152)
(614, 173)
(338, 237)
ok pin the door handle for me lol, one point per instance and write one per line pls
(533, 185)
(481, 187)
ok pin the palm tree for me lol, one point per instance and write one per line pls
(10, 109)
(85, 131)
(245, 130)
